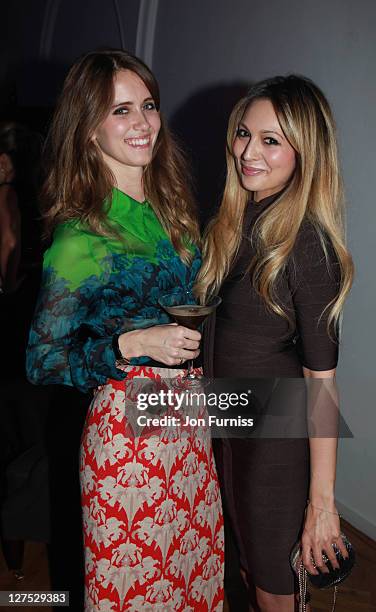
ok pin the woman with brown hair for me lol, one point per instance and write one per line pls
(117, 197)
(283, 278)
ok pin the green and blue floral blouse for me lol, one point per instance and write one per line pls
(94, 287)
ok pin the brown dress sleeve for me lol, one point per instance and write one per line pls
(314, 281)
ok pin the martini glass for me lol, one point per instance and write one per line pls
(183, 308)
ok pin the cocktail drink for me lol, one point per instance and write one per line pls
(186, 312)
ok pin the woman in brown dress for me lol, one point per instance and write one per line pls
(283, 278)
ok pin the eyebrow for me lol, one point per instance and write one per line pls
(149, 99)
(263, 131)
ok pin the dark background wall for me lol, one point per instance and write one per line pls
(42, 38)
(204, 53)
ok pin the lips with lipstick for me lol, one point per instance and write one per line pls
(139, 143)
(252, 171)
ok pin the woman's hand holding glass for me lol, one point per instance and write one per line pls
(170, 344)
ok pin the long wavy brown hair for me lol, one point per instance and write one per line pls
(78, 182)
(314, 194)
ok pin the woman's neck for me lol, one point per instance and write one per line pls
(134, 192)
(132, 184)
(128, 179)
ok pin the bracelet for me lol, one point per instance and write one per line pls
(119, 358)
(322, 509)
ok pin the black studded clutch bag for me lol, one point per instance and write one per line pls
(322, 580)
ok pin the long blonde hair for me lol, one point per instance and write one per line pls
(314, 194)
(78, 182)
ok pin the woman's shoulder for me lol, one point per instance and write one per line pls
(313, 250)
(311, 237)
(9, 205)
(68, 241)
(74, 253)
(308, 230)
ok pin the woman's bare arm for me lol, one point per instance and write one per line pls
(322, 525)
(10, 237)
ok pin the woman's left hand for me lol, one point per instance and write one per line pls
(321, 530)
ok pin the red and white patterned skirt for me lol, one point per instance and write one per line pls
(153, 524)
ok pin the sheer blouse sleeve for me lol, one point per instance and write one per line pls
(66, 346)
(314, 282)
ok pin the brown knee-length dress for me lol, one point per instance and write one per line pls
(265, 481)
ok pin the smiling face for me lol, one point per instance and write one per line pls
(127, 136)
(265, 160)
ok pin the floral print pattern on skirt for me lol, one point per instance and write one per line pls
(153, 525)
